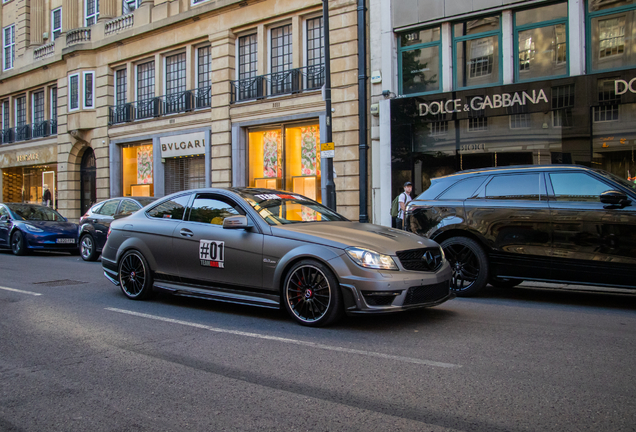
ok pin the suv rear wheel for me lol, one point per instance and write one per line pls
(469, 264)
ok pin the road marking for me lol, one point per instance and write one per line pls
(20, 291)
(289, 341)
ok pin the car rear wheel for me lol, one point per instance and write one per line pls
(87, 248)
(498, 282)
(134, 275)
(311, 294)
(18, 243)
(469, 264)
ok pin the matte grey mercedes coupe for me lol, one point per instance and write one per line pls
(274, 249)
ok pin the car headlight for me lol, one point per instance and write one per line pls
(33, 228)
(371, 259)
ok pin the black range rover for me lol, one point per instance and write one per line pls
(555, 223)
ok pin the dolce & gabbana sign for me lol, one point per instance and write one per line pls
(478, 103)
(182, 145)
(622, 86)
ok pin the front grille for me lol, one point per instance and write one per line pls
(374, 298)
(426, 293)
(425, 259)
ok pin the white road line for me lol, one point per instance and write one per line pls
(289, 341)
(20, 291)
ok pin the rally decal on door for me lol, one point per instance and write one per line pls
(212, 253)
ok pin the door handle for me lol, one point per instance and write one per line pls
(186, 232)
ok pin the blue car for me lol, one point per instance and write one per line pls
(27, 227)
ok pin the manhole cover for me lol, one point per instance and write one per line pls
(58, 283)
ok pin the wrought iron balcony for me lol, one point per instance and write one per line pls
(31, 131)
(7, 136)
(185, 101)
(23, 133)
(279, 83)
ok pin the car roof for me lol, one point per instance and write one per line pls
(514, 168)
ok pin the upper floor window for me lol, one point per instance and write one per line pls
(146, 104)
(315, 56)
(91, 12)
(56, 23)
(176, 99)
(129, 5)
(608, 102)
(247, 66)
(8, 45)
(53, 103)
(419, 55)
(281, 59)
(89, 89)
(121, 86)
(73, 92)
(477, 50)
(541, 42)
(20, 111)
(203, 97)
(38, 107)
(5, 115)
(611, 25)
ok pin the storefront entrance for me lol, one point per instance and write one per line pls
(88, 180)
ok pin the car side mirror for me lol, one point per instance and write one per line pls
(236, 222)
(616, 198)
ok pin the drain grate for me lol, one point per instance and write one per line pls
(59, 283)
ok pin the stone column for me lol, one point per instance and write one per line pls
(107, 10)
(22, 28)
(70, 15)
(37, 22)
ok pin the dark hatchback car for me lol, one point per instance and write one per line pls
(556, 223)
(95, 223)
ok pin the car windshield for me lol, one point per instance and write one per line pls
(280, 208)
(625, 183)
(35, 213)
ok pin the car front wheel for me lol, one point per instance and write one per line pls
(18, 243)
(311, 294)
(87, 248)
(134, 276)
(469, 264)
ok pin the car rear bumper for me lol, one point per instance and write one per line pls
(110, 270)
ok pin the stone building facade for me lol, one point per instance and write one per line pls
(106, 98)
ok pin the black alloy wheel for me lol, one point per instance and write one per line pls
(469, 264)
(312, 294)
(498, 282)
(87, 248)
(18, 243)
(135, 279)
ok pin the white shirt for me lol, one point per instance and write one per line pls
(406, 199)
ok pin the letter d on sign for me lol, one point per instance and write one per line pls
(616, 85)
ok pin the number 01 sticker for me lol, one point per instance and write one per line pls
(211, 253)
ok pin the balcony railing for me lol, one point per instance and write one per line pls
(118, 24)
(31, 131)
(78, 35)
(44, 51)
(160, 106)
(279, 83)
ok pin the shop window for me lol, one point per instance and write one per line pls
(541, 42)
(247, 65)
(611, 25)
(137, 170)
(56, 23)
(184, 173)
(204, 62)
(91, 12)
(562, 103)
(8, 47)
(25, 184)
(286, 158)
(281, 60)
(608, 102)
(315, 55)
(477, 52)
(89, 89)
(176, 100)
(147, 105)
(73, 98)
(419, 56)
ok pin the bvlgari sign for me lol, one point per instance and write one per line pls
(182, 145)
(478, 103)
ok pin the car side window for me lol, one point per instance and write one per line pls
(3, 212)
(128, 207)
(576, 186)
(96, 207)
(516, 187)
(109, 208)
(463, 189)
(171, 209)
(212, 209)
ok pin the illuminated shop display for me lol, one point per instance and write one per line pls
(137, 168)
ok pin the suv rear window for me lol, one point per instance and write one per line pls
(464, 189)
(516, 187)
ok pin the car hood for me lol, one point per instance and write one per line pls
(347, 234)
(54, 227)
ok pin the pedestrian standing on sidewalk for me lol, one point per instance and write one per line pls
(405, 199)
(46, 197)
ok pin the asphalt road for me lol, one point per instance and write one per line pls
(76, 355)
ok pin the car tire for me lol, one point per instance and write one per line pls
(18, 243)
(87, 248)
(469, 264)
(311, 294)
(498, 282)
(134, 276)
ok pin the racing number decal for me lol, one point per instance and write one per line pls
(211, 253)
